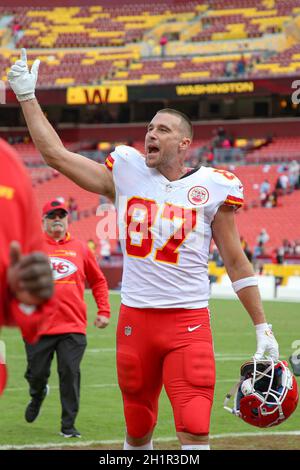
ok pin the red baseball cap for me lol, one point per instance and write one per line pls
(54, 205)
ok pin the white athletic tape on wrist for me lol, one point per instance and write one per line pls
(245, 282)
(26, 97)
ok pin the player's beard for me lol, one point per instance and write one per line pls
(153, 160)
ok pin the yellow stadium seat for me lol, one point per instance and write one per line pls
(200, 73)
(121, 74)
(88, 62)
(168, 65)
(136, 66)
(151, 76)
(64, 81)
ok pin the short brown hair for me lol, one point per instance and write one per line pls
(183, 117)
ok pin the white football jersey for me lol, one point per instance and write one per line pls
(165, 230)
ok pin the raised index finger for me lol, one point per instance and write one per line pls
(23, 54)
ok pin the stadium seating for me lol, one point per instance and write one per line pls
(252, 176)
(99, 44)
(282, 149)
(93, 26)
(281, 222)
(63, 187)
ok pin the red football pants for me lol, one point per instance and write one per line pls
(170, 347)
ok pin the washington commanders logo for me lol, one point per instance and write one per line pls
(198, 195)
(62, 268)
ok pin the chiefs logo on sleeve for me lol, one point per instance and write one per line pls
(62, 268)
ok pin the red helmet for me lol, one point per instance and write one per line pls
(266, 395)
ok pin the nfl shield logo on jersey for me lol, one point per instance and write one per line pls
(198, 195)
(128, 330)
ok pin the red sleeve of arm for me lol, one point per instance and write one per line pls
(29, 234)
(97, 283)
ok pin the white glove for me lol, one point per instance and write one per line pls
(267, 346)
(21, 80)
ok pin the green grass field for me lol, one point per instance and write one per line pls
(101, 417)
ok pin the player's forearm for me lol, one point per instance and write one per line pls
(241, 268)
(251, 300)
(43, 135)
(237, 265)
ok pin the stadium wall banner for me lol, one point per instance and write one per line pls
(97, 94)
(123, 94)
(215, 88)
(259, 87)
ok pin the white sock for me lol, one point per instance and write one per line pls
(148, 446)
(195, 447)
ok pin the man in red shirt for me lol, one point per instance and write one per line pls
(25, 276)
(64, 331)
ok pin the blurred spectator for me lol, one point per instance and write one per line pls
(241, 66)
(219, 136)
(229, 69)
(210, 157)
(16, 30)
(73, 209)
(280, 255)
(163, 44)
(246, 248)
(263, 237)
(226, 150)
(264, 190)
(105, 249)
(294, 169)
(297, 248)
(92, 246)
(287, 247)
(226, 143)
(215, 256)
(265, 187)
(263, 199)
(271, 200)
(258, 250)
(282, 184)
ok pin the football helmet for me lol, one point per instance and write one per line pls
(266, 394)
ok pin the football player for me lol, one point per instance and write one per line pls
(167, 217)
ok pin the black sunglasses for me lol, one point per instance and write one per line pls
(53, 214)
